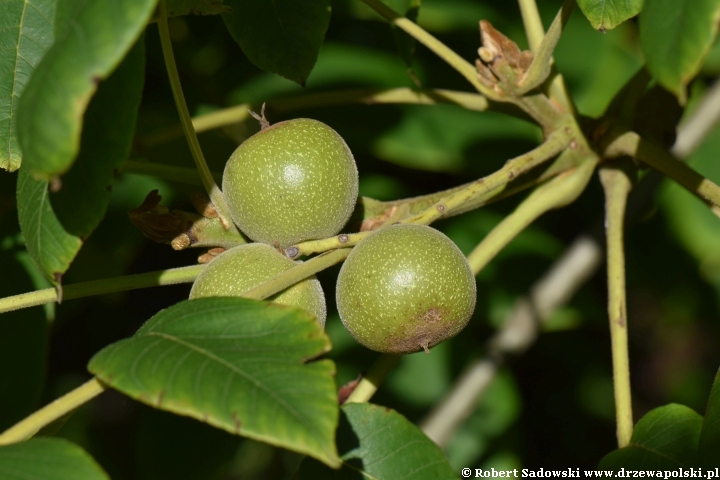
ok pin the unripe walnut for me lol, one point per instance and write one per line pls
(239, 269)
(290, 182)
(405, 288)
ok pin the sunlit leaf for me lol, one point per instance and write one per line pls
(377, 442)
(55, 224)
(237, 364)
(26, 32)
(48, 459)
(675, 36)
(282, 36)
(91, 40)
(608, 14)
(666, 437)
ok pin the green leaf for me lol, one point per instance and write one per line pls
(56, 224)
(105, 145)
(282, 36)
(50, 245)
(675, 36)
(378, 443)
(666, 437)
(710, 435)
(237, 364)
(48, 459)
(608, 14)
(91, 40)
(177, 8)
(26, 32)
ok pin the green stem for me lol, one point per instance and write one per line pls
(374, 378)
(558, 192)
(539, 69)
(633, 145)
(166, 172)
(30, 425)
(299, 272)
(400, 210)
(415, 205)
(325, 244)
(208, 181)
(553, 145)
(465, 68)
(99, 287)
(617, 185)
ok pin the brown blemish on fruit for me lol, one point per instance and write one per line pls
(426, 330)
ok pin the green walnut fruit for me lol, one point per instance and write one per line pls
(239, 269)
(405, 288)
(290, 182)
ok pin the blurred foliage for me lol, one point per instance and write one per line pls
(550, 407)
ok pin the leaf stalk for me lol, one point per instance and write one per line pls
(617, 186)
(374, 378)
(211, 187)
(558, 192)
(99, 287)
(30, 425)
(635, 146)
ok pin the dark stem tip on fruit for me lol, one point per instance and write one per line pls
(264, 123)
